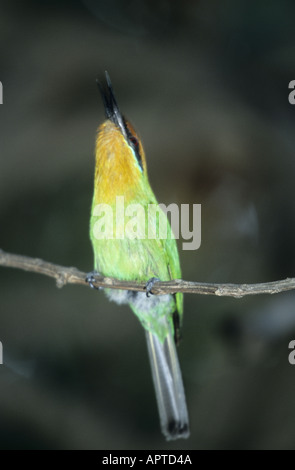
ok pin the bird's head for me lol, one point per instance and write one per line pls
(120, 159)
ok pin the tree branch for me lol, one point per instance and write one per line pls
(64, 275)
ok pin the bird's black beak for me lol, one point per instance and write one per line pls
(111, 107)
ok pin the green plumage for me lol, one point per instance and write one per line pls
(140, 259)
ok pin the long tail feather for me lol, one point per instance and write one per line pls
(168, 386)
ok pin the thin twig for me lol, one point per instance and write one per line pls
(64, 275)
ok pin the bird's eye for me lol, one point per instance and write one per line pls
(134, 141)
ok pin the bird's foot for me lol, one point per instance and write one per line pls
(90, 278)
(150, 284)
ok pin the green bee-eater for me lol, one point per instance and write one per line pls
(120, 172)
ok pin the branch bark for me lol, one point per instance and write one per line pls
(69, 275)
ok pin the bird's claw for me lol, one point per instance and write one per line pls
(90, 278)
(150, 284)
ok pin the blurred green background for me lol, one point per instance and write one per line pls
(206, 85)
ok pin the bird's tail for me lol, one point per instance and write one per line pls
(168, 386)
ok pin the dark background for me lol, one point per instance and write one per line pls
(206, 85)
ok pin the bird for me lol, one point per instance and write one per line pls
(121, 175)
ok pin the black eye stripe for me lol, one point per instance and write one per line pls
(134, 144)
